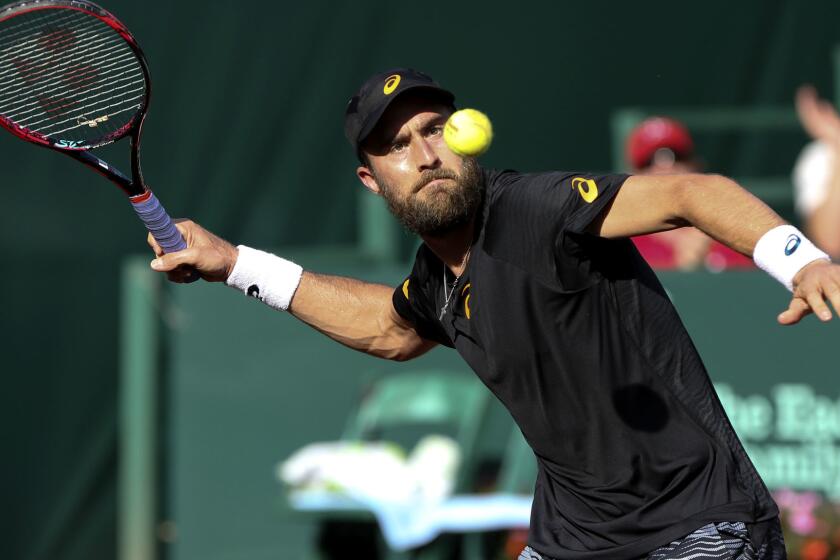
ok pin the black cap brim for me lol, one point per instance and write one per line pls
(372, 118)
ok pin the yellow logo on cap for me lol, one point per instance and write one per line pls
(405, 288)
(391, 83)
(586, 187)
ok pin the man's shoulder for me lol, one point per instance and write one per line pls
(498, 177)
(507, 183)
(506, 187)
(498, 180)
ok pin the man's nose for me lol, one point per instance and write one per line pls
(426, 156)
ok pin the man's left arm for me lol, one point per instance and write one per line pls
(728, 213)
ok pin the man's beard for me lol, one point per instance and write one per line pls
(442, 211)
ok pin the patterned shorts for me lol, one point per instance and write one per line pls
(715, 541)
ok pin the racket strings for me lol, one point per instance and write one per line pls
(18, 108)
(25, 27)
(67, 75)
(51, 40)
(31, 63)
(28, 63)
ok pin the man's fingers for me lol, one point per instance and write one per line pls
(206, 256)
(150, 239)
(183, 275)
(818, 306)
(171, 261)
(183, 226)
(797, 309)
(832, 292)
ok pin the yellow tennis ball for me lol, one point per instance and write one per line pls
(468, 132)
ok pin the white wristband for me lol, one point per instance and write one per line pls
(783, 251)
(267, 277)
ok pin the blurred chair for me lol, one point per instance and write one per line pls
(402, 408)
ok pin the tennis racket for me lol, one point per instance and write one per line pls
(72, 78)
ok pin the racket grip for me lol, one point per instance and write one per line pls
(158, 222)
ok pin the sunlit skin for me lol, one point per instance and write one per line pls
(406, 148)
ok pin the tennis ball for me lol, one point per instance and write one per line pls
(468, 132)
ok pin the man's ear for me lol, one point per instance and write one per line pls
(365, 175)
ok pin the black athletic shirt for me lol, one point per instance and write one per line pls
(576, 336)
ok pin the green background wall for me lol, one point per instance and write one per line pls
(244, 135)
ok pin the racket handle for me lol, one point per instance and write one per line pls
(158, 222)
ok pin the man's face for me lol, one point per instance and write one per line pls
(429, 188)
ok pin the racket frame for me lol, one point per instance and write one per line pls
(133, 186)
(145, 204)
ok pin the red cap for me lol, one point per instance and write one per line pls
(655, 133)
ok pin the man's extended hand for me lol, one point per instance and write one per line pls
(210, 256)
(815, 284)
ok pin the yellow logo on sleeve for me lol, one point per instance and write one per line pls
(391, 83)
(586, 187)
(405, 288)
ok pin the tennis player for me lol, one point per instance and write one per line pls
(532, 279)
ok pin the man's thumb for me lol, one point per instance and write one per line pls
(165, 263)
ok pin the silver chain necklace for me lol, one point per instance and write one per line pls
(448, 296)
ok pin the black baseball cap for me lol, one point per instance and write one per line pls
(369, 104)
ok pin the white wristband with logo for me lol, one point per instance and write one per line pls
(783, 251)
(269, 278)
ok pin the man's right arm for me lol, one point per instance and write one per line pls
(358, 314)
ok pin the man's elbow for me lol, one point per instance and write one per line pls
(401, 356)
(394, 355)
(405, 350)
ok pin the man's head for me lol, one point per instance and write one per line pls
(395, 124)
(660, 145)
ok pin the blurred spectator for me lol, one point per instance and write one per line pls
(816, 174)
(663, 146)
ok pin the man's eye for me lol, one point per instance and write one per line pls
(436, 130)
(398, 146)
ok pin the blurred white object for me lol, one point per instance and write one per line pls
(811, 174)
(410, 497)
(377, 471)
(432, 468)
